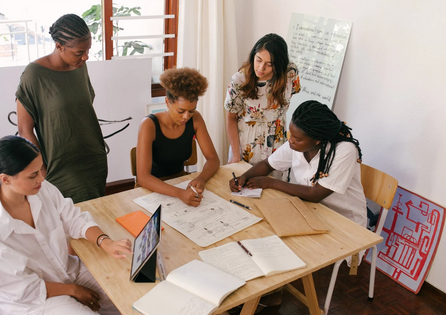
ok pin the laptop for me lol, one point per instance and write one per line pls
(145, 245)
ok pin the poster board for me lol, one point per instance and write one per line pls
(411, 233)
(317, 45)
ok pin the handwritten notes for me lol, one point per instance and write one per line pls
(317, 45)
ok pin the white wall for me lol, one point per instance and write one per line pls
(391, 90)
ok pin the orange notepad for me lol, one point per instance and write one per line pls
(134, 222)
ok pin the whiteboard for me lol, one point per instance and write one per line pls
(123, 89)
(317, 45)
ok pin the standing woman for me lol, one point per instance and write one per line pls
(55, 98)
(37, 276)
(257, 101)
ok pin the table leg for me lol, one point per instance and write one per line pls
(310, 293)
(250, 307)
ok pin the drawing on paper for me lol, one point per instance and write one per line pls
(411, 233)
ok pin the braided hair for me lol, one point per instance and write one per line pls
(68, 28)
(317, 121)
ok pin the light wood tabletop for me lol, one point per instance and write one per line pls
(317, 251)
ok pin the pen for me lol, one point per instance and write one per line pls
(244, 248)
(160, 264)
(235, 178)
(240, 204)
(192, 187)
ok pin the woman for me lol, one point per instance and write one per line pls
(37, 276)
(55, 98)
(324, 158)
(165, 138)
(257, 101)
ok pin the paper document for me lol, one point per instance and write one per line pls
(246, 192)
(212, 221)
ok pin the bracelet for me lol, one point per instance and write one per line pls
(103, 238)
(97, 240)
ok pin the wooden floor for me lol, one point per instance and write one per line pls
(350, 296)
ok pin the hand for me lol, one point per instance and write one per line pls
(198, 185)
(234, 159)
(189, 197)
(241, 182)
(87, 297)
(259, 182)
(116, 248)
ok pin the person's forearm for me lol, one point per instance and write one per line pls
(232, 129)
(261, 168)
(57, 289)
(29, 135)
(307, 193)
(155, 184)
(209, 169)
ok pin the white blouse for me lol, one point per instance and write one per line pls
(344, 178)
(29, 257)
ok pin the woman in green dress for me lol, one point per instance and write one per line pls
(55, 100)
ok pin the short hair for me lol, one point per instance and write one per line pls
(184, 82)
(69, 29)
(278, 50)
(16, 153)
(317, 121)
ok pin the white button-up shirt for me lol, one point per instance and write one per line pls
(344, 178)
(29, 257)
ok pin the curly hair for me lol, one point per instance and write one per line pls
(187, 83)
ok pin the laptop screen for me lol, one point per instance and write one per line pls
(146, 243)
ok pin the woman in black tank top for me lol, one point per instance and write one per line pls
(165, 138)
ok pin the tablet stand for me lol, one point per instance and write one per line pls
(148, 271)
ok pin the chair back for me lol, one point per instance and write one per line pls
(378, 186)
(192, 160)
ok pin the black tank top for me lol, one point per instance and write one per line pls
(168, 155)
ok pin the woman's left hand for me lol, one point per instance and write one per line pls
(198, 185)
(116, 248)
(259, 182)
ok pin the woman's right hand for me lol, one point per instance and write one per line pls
(234, 159)
(189, 197)
(87, 297)
(233, 186)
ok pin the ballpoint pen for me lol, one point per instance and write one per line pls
(235, 179)
(244, 248)
(240, 204)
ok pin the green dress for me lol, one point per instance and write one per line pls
(61, 105)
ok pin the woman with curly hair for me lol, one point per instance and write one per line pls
(165, 138)
(257, 101)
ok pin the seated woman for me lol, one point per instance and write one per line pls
(165, 138)
(324, 158)
(37, 276)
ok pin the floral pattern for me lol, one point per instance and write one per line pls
(262, 129)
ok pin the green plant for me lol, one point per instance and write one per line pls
(93, 18)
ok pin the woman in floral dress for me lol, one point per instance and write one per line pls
(257, 101)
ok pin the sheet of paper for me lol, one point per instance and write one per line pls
(246, 192)
(232, 259)
(272, 255)
(212, 221)
(205, 281)
(169, 299)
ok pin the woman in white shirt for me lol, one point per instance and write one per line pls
(324, 158)
(37, 276)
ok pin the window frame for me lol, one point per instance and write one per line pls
(170, 44)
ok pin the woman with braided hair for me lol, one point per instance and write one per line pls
(324, 158)
(55, 99)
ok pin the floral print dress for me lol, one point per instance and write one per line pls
(261, 129)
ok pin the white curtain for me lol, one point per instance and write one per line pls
(207, 42)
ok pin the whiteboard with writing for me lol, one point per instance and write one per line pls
(317, 45)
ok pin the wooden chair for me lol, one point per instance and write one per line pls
(190, 161)
(379, 188)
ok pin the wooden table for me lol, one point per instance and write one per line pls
(317, 251)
